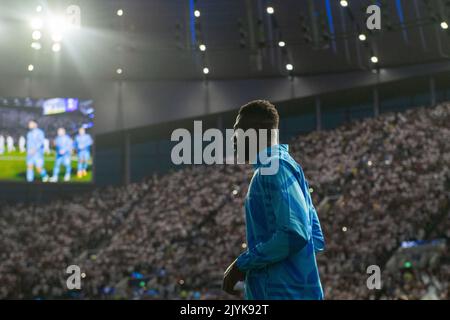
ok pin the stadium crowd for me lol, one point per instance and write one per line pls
(375, 183)
(14, 122)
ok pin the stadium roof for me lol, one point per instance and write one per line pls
(159, 39)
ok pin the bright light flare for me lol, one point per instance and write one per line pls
(37, 23)
(57, 24)
(56, 47)
(57, 37)
(36, 45)
(36, 35)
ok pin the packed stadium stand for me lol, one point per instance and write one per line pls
(14, 122)
(376, 183)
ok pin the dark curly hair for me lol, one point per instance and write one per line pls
(258, 114)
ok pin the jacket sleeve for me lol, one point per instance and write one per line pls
(317, 235)
(291, 211)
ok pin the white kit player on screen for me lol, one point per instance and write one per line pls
(10, 144)
(83, 143)
(22, 144)
(2, 144)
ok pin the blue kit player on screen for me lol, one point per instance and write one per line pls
(35, 152)
(64, 147)
(83, 143)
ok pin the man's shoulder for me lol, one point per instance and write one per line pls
(286, 166)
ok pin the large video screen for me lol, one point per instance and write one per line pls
(46, 140)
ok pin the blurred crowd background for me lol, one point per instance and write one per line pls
(14, 122)
(376, 184)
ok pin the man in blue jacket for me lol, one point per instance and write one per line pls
(283, 230)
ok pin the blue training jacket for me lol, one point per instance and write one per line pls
(283, 233)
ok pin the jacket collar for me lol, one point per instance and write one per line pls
(276, 149)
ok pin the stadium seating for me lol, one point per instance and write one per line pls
(375, 183)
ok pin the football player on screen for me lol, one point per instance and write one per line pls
(83, 143)
(2, 144)
(64, 148)
(35, 152)
(22, 144)
(10, 144)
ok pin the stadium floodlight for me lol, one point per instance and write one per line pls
(374, 59)
(344, 3)
(362, 37)
(30, 67)
(36, 35)
(36, 45)
(36, 24)
(56, 37)
(56, 47)
(120, 12)
(270, 10)
(202, 47)
(57, 24)
(289, 67)
(281, 44)
(444, 25)
(197, 13)
(119, 71)
(205, 70)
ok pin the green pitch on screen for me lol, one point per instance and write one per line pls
(13, 168)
